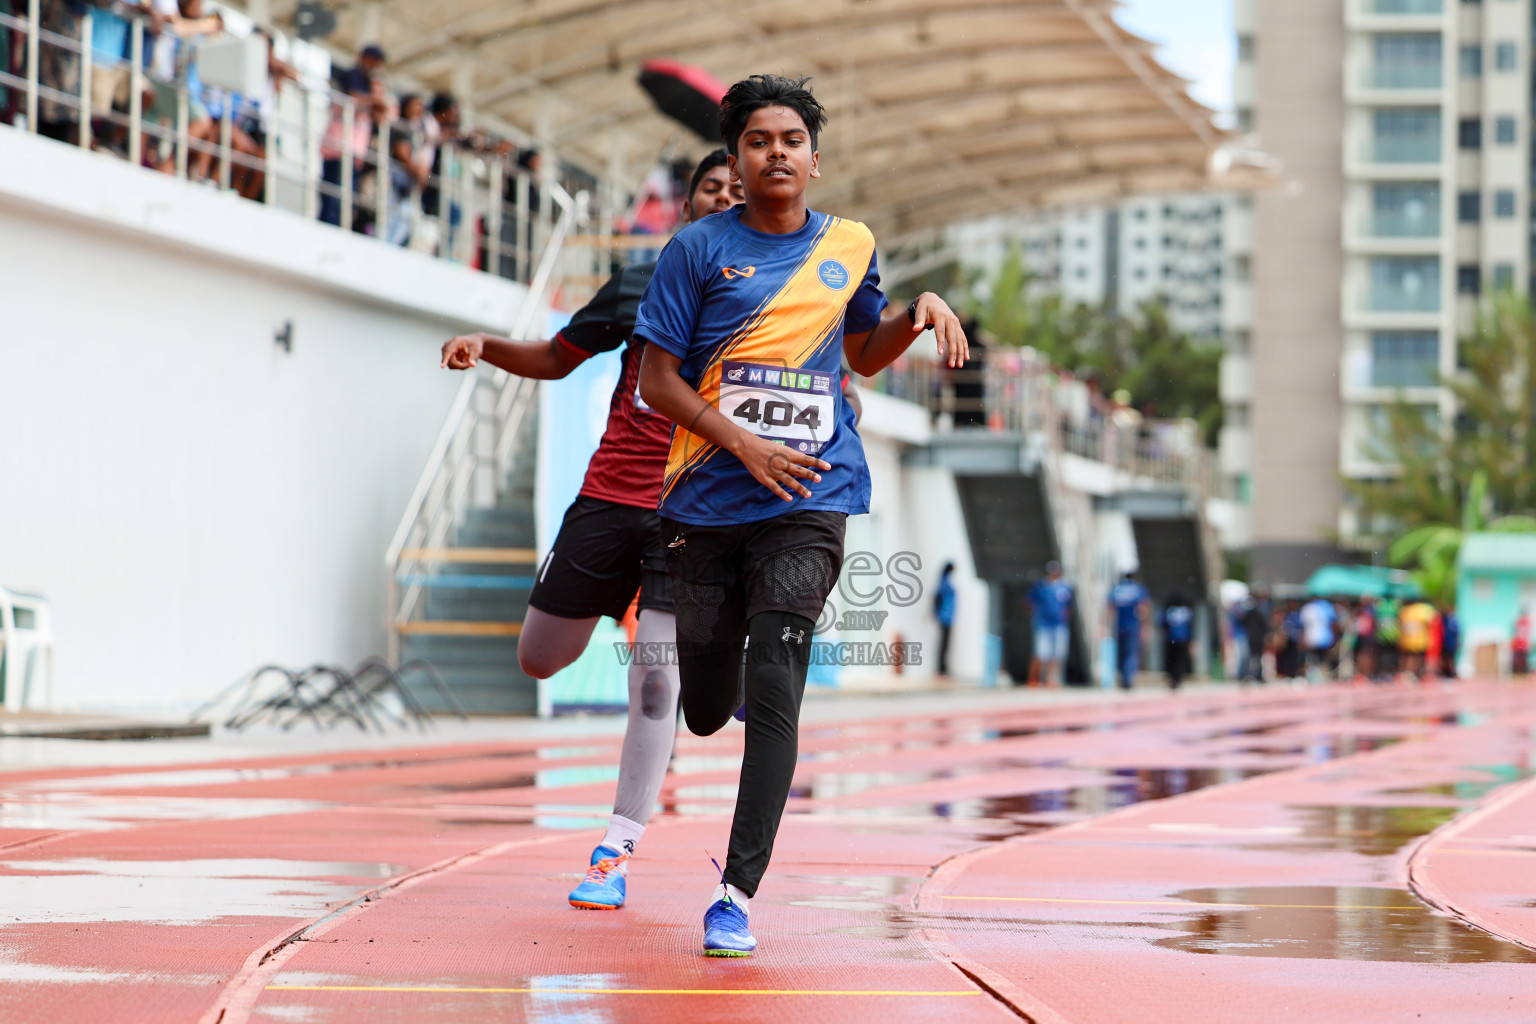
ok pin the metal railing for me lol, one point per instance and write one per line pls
(474, 452)
(306, 149)
(1017, 391)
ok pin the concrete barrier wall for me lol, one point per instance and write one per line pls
(193, 499)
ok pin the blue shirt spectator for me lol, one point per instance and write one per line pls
(1051, 599)
(1179, 623)
(1127, 598)
(944, 602)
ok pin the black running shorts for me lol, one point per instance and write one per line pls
(724, 575)
(603, 553)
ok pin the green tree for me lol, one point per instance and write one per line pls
(1166, 372)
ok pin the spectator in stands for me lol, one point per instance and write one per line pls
(442, 129)
(410, 166)
(369, 103)
(111, 70)
(171, 60)
(1365, 639)
(59, 69)
(254, 116)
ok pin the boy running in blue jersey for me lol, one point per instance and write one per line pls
(1129, 601)
(745, 322)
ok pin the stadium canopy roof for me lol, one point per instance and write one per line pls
(940, 110)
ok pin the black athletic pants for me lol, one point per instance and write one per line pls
(777, 659)
(763, 583)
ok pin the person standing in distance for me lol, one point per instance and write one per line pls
(1129, 603)
(1050, 601)
(944, 611)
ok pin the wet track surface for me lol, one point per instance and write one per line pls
(1329, 854)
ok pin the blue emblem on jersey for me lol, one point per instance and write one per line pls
(833, 274)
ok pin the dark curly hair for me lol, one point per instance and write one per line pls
(750, 95)
(714, 158)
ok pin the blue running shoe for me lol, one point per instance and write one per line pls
(725, 931)
(603, 888)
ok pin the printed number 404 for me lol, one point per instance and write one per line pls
(777, 414)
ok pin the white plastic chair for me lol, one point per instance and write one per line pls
(26, 650)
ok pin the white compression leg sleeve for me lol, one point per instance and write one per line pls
(652, 721)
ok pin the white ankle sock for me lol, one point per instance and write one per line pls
(623, 835)
(738, 897)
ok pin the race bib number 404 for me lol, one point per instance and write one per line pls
(790, 406)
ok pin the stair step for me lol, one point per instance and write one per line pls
(449, 627)
(477, 605)
(483, 556)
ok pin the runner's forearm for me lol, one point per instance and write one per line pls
(538, 360)
(666, 392)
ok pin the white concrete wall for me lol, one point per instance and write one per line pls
(914, 511)
(193, 500)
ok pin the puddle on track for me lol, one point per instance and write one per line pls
(1333, 923)
(179, 892)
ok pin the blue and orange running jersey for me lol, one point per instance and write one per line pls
(758, 322)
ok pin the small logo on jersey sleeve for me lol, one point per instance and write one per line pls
(731, 273)
(833, 274)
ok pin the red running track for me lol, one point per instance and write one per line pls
(1329, 854)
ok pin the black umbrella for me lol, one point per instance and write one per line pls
(689, 95)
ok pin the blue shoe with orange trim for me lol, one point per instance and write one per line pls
(603, 888)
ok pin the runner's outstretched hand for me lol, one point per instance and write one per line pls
(779, 467)
(463, 352)
(934, 312)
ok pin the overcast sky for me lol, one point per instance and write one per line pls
(1195, 40)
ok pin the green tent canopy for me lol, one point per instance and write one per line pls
(1361, 581)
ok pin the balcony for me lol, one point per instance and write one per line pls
(1403, 284)
(1401, 6)
(1235, 379)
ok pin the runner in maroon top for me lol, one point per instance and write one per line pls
(610, 540)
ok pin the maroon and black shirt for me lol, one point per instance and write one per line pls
(631, 459)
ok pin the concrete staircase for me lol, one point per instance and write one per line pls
(477, 598)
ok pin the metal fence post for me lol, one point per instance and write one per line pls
(34, 27)
(383, 178)
(348, 120)
(85, 82)
(226, 136)
(136, 95)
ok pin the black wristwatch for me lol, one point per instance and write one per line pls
(912, 312)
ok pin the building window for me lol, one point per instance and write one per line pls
(1469, 133)
(1245, 49)
(1405, 359)
(1406, 135)
(1405, 210)
(1471, 61)
(1504, 204)
(1505, 57)
(1469, 207)
(1405, 61)
(1504, 131)
(1503, 277)
(1082, 273)
(1242, 269)
(1405, 284)
(1140, 273)
(1469, 279)
(1140, 243)
(1245, 119)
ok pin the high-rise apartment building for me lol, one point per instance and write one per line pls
(1403, 132)
(1152, 248)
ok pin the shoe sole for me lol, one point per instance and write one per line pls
(727, 952)
(596, 906)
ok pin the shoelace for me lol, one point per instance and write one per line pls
(600, 871)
